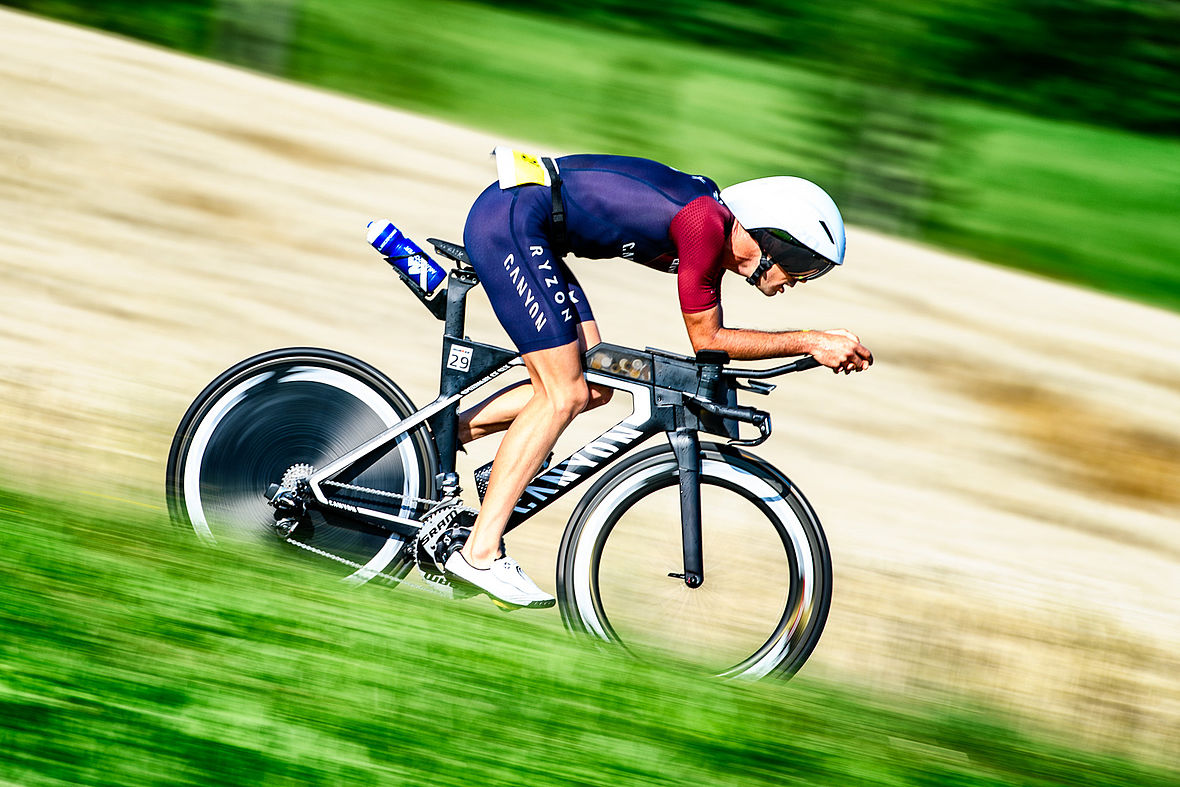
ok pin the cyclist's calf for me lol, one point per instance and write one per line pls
(496, 413)
(599, 395)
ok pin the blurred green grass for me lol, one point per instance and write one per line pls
(130, 654)
(1083, 203)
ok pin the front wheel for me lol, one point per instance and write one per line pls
(768, 574)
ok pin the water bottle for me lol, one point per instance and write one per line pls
(406, 255)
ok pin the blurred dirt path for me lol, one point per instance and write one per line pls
(1000, 490)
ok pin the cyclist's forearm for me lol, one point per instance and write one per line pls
(751, 345)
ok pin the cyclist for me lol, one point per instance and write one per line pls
(775, 232)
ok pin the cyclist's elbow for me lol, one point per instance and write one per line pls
(705, 329)
(708, 341)
(698, 346)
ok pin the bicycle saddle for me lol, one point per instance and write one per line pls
(452, 250)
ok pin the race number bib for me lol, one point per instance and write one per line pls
(516, 168)
(460, 359)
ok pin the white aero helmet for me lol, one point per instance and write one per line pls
(794, 221)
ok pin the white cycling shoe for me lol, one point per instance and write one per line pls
(505, 581)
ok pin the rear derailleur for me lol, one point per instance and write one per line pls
(289, 500)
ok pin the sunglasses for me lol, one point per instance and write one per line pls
(791, 255)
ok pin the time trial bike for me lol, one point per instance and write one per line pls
(696, 549)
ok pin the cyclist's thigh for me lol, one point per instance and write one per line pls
(506, 239)
(588, 334)
(576, 295)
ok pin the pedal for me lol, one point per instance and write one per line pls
(448, 543)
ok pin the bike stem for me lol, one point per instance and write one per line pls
(686, 445)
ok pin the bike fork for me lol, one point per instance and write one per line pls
(687, 447)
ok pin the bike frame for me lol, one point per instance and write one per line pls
(544, 488)
(675, 394)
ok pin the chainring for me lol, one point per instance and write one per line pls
(443, 531)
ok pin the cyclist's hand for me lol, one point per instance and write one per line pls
(840, 351)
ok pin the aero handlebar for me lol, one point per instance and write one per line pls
(794, 366)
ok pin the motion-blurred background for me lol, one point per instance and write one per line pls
(1036, 133)
(1000, 490)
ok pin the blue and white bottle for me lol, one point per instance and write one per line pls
(406, 255)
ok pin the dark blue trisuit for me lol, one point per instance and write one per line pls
(615, 206)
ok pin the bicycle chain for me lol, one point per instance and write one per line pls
(451, 508)
(350, 563)
(417, 501)
(299, 472)
(428, 585)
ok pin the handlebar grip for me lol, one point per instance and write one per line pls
(806, 363)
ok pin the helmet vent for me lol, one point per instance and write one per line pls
(827, 231)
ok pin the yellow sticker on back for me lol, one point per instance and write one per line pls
(516, 168)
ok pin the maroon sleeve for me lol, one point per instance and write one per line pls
(699, 231)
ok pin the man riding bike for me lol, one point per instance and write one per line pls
(776, 232)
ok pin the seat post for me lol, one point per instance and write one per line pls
(446, 422)
(460, 283)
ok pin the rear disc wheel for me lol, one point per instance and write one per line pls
(274, 412)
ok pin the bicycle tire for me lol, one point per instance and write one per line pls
(753, 617)
(287, 407)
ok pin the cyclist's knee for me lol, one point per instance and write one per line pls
(569, 400)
